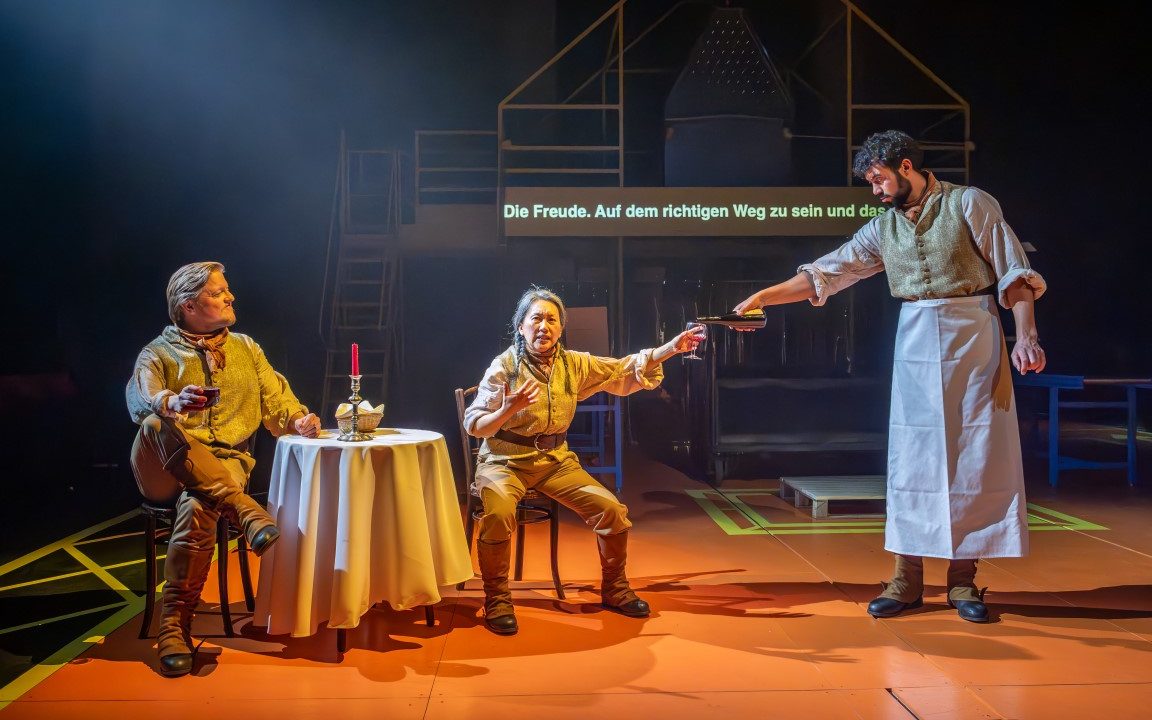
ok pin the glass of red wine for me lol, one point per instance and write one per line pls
(212, 398)
(701, 330)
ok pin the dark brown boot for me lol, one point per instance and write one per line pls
(494, 557)
(185, 571)
(615, 592)
(905, 592)
(963, 593)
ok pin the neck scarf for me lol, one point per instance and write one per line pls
(212, 344)
(542, 363)
(912, 211)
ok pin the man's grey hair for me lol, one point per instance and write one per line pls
(185, 284)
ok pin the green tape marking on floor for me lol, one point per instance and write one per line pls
(734, 516)
(1065, 522)
(132, 606)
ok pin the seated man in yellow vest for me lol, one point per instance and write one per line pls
(195, 455)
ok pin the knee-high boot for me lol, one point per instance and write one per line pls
(963, 593)
(495, 557)
(185, 571)
(201, 473)
(615, 592)
(904, 592)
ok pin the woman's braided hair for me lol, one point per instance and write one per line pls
(520, 351)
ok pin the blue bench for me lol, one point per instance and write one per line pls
(1055, 384)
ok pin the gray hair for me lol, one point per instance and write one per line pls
(186, 283)
(533, 294)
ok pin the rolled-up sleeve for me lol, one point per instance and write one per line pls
(999, 244)
(619, 376)
(489, 395)
(846, 265)
(147, 392)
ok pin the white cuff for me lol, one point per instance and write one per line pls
(1032, 278)
(819, 283)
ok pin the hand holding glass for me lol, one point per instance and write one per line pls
(700, 331)
(212, 397)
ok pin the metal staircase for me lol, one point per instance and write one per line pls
(363, 275)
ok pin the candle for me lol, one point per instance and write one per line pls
(355, 359)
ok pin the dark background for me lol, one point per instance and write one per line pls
(142, 135)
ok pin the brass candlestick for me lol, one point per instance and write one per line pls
(353, 434)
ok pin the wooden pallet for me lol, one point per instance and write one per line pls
(820, 491)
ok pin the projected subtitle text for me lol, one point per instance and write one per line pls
(703, 213)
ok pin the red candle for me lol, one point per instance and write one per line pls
(355, 359)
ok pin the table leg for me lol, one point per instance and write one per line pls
(341, 640)
(429, 615)
(1131, 435)
(1054, 436)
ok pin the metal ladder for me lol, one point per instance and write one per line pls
(363, 276)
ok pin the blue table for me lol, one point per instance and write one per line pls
(594, 442)
(1055, 384)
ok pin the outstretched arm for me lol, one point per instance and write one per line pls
(1027, 353)
(798, 288)
(682, 343)
(816, 281)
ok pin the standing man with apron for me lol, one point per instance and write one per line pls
(955, 481)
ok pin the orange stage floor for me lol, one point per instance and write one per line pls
(758, 613)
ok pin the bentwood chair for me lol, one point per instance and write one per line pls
(533, 508)
(158, 520)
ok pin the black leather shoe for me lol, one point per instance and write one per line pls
(265, 539)
(971, 610)
(502, 625)
(883, 607)
(176, 665)
(633, 608)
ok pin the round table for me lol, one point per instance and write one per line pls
(360, 523)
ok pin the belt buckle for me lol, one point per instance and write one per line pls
(536, 442)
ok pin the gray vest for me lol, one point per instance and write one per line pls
(936, 258)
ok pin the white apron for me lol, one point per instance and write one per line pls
(955, 481)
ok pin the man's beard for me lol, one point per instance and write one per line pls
(903, 192)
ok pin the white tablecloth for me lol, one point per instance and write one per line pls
(360, 523)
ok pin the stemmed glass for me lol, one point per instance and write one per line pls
(697, 329)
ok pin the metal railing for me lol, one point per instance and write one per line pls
(455, 166)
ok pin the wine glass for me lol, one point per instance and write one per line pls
(697, 329)
(212, 395)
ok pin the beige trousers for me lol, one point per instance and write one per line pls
(502, 485)
(171, 467)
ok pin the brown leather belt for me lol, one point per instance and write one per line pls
(990, 290)
(541, 441)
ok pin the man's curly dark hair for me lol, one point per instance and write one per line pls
(889, 148)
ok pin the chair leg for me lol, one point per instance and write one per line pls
(149, 575)
(554, 538)
(222, 574)
(618, 437)
(245, 573)
(429, 615)
(469, 529)
(519, 571)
